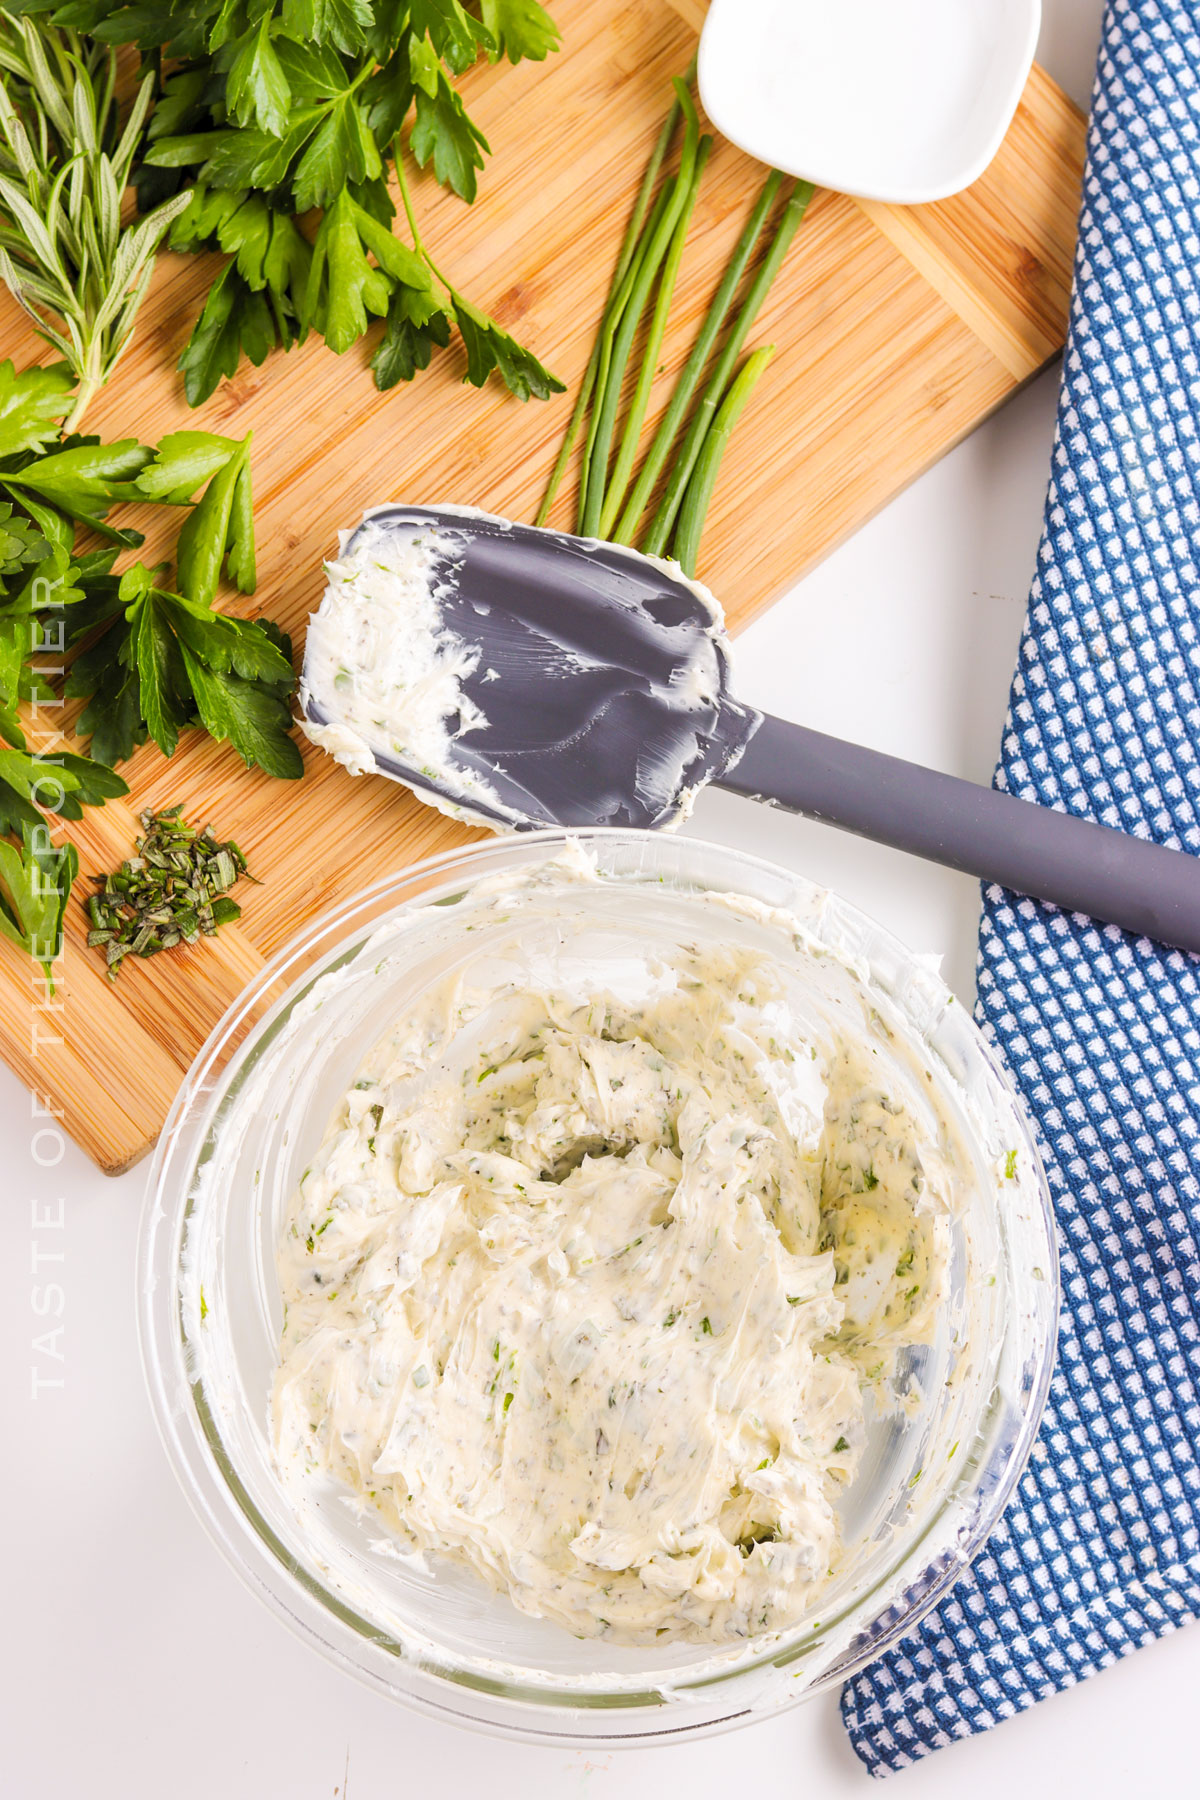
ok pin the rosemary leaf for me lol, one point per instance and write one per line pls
(171, 890)
(65, 162)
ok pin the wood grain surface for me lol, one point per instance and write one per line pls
(898, 331)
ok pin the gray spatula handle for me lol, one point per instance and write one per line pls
(1079, 866)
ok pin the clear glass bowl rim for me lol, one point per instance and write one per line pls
(212, 1487)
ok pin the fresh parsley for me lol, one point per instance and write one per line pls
(39, 578)
(35, 882)
(420, 317)
(272, 108)
(149, 660)
(165, 661)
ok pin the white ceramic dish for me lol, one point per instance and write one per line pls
(898, 100)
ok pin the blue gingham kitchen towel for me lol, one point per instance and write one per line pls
(1100, 1551)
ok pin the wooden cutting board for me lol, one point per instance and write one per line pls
(898, 331)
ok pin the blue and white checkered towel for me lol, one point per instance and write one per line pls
(1100, 1551)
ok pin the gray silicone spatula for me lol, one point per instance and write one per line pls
(603, 681)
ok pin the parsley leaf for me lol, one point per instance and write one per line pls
(112, 719)
(219, 527)
(20, 542)
(167, 661)
(257, 89)
(35, 884)
(32, 406)
(423, 66)
(488, 348)
(393, 257)
(252, 649)
(162, 679)
(60, 783)
(254, 718)
(520, 28)
(235, 319)
(315, 71)
(454, 34)
(341, 150)
(23, 781)
(181, 29)
(84, 480)
(94, 784)
(183, 462)
(388, 95)
(342, 23)
(442, 132)
(342, 285)
(415, 324)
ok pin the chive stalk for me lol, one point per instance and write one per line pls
(708, 460)
(606, 340)
(629, 244)
(655, 541)
(636, 418)
(642, 270)
(685, 387)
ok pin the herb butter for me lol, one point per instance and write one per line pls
(590, 1293)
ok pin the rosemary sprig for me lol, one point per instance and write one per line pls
(173, 890)
(64, 165)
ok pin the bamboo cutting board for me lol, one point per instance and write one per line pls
(897, 332)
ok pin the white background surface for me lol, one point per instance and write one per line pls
(133, 1663)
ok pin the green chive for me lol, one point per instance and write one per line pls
(638, 406)
(629, 244)
(639, 281)
(704, 474)
(654, 543)
(685, 387)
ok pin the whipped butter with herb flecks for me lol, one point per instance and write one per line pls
(587, 1291)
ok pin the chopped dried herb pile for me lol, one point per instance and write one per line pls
(173, 890)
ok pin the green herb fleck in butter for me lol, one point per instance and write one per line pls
(587, 1294)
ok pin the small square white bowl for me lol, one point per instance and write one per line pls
(904, 101)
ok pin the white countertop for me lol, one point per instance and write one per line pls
(134, 1664)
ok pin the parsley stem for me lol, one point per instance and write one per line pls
(708, 459)
(629, 244)
(655, 541)
(636, 417)
(452, 294)
(452, 299)
(642, 272)
(406, 199)
(681, 398)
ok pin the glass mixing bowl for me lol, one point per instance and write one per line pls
(934, 1477)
